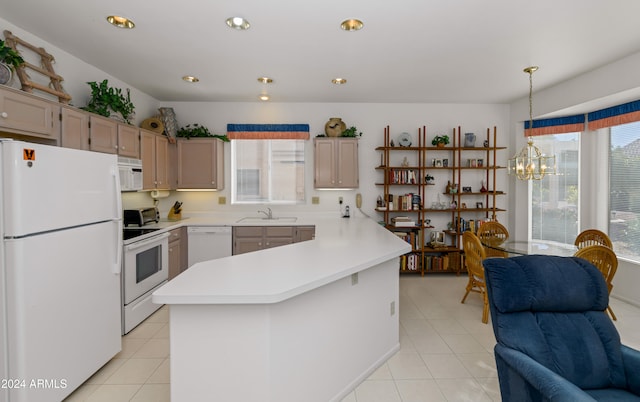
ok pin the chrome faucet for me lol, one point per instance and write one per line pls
(269, 214)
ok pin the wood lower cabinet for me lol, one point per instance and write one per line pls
(177, 251)
(336, 163)
(200, 163)
(154, 152)
(28, 115)
(304, 233)
(253, 238)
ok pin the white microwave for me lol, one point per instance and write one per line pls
(130, 174)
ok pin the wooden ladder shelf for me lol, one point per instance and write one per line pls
(55, 86)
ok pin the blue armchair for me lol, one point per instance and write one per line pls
(554, 340)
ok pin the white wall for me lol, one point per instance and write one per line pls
(76, 74)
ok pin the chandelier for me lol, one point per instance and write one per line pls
(530, 163)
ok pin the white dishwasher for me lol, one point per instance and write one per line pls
(208, 243)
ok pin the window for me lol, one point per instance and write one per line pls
(267, 171)
(554, 199)
(624, 190)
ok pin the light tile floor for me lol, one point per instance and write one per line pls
(446, 352)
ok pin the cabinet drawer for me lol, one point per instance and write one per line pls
(174, 235)
(278, 231)
(248, 231)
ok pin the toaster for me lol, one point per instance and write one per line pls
(141, 216)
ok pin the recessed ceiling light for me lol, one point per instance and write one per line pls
(264, 97)
(339, 81)
(238, 23)
(120, 22)
(190, 78)
(265, 80)
(352, 25)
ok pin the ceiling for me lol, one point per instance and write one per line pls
(458, 51)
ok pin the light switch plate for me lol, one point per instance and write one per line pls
(222, 200)
(315, 200)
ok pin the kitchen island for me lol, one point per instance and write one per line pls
(307, 321)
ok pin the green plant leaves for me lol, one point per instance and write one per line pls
(105, 99)
(9, 56)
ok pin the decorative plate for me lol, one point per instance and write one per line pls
(404, 140)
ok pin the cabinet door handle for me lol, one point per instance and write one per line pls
(4, 115)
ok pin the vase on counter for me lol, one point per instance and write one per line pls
(334, 127)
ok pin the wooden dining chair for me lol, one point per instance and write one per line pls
(493, 233)
(590, 237)
(605, 260)
(473, 255)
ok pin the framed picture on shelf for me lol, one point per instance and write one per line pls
(445, 163)
(480, 162)
(438, 163)
(463, 205)
(437, 238)
(479, 205)
(472, 162)
(466, 189)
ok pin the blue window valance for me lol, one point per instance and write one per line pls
(268, 131)
(556, 125)
(615, 115)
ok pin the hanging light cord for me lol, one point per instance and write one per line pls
(530, 70)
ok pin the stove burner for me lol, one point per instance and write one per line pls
(131, 233)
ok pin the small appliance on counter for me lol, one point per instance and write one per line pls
(141, 216)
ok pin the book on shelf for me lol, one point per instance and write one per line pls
(404, 224)
(409, 262)
(404, 202)
(402, 176)
(403, 221)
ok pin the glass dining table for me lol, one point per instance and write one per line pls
(524, 247)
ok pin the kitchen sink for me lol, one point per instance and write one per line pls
(264, 219)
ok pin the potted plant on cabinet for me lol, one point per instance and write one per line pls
(197, 130)
(440, 140)
(106, 100)
(351, 132)
(9, 61)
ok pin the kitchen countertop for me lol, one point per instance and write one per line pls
(341, 247)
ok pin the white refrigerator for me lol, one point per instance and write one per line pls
(60, 268)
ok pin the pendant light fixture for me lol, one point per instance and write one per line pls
(530, 163)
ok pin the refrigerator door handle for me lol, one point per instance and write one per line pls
(117, 267)
(116, 191)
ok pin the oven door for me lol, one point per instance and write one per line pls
(146, 264)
